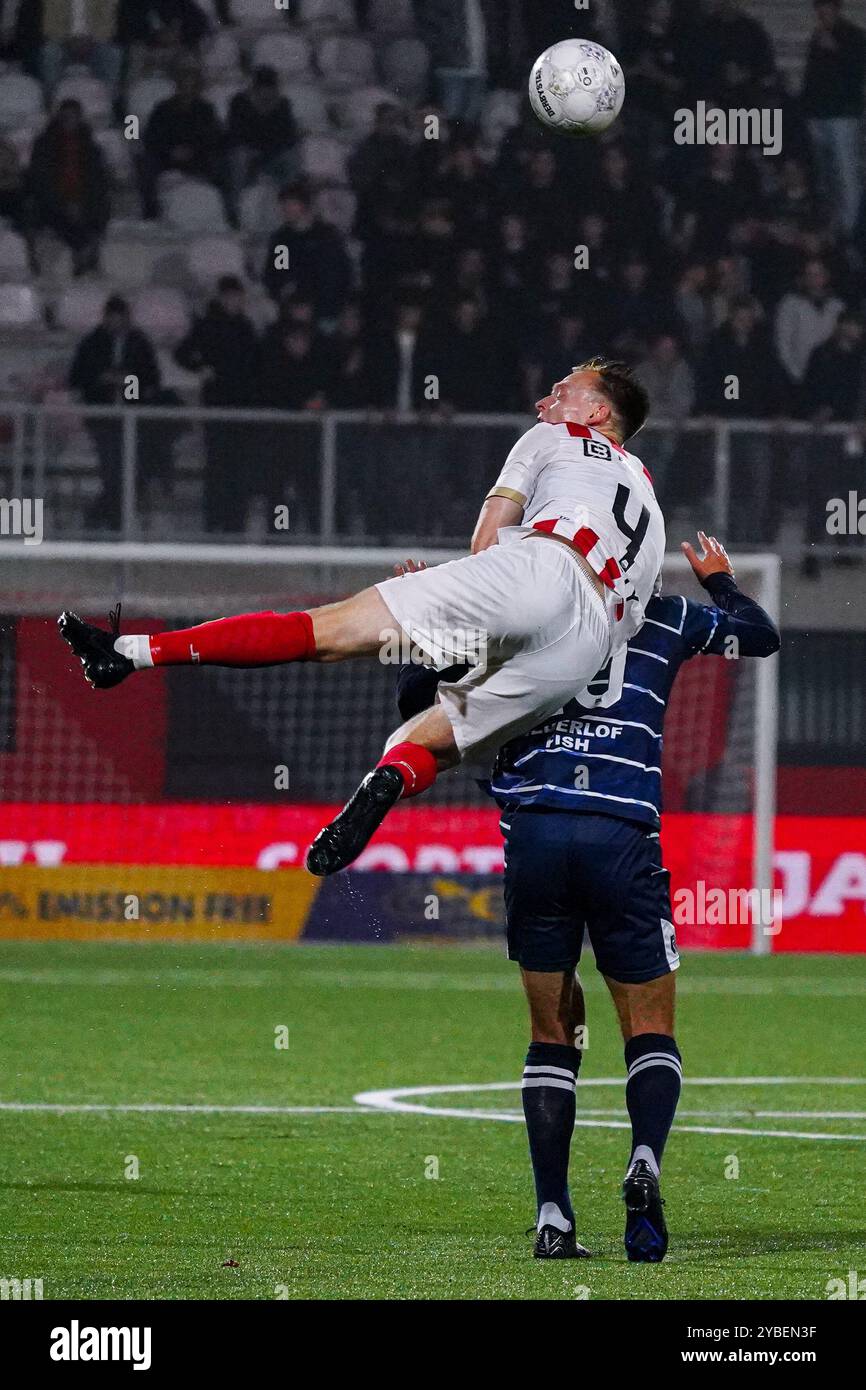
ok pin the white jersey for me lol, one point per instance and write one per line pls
(575, 482)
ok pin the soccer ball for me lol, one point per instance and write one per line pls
(577, 87)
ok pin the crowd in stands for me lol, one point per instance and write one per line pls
(459, 254)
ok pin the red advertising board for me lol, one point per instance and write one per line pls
(820, 861)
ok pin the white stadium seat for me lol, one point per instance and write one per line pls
(126, 262)
(210, 257)
(189, 206)
(220, 56)
(330, 14)
(289, 53)
(78, 84)
(338, 207)
(255, 14)
(346, 61)
(309, 107)
(20, 307)
(259, 209)
(161, 313)
(145, 94)
(358, 108)
(81, 305)
(21, 101)
(405, 68)
(117, 153)
(14, 261)
(323, 159)
(502, 112)
(220, 95)
(391, 17)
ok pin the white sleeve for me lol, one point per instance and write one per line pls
(519, 475)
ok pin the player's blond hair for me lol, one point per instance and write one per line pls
(628, 399)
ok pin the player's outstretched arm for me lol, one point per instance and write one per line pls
(739, 616)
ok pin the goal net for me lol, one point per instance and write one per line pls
(149, 773)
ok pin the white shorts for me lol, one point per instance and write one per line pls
(525, 617)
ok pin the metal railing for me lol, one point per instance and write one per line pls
(367, 477)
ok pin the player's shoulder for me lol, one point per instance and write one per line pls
(669, 612)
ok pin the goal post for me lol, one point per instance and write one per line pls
(220, 732)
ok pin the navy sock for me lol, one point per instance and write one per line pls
(549, 1078)
(655, 1075)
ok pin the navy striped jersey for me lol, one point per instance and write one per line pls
(607, 759)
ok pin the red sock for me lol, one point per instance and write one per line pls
(416, 765)
(251, 639)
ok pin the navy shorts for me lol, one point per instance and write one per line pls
(566, 872)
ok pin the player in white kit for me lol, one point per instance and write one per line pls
(565, 556)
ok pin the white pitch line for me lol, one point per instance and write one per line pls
(52, 1108)
(395, 1101)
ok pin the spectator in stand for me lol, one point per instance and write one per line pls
(294, 374)
(393, 352)
(50, 34)
(512, 266)
(115, 364)
(160, 33)
(834, 377)
(348, 386)
(307, 257)
(692, 305)
(183, 134)
(387, 150)
(834, 391)
(638, 307)
(261, 134)
(68, 185)
(648, 52)
(457, 350)
(670, 381)
(726, 190)
(739, 373)
(740, 377)
(805, 318)
(464, 179)
(832, 100)
(457, 33)
(724, 37)
(636, 223)
(222, 349)
(13, 198)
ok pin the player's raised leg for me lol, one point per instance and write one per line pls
(646, 1016)
(354, 627)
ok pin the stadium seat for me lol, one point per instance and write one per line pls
(259, 210)
(405, 66)
(189, 206)
(144, 95)
(289, 53)
(14, 261)
(20, 307)
(391, 17)
(338, 207)
(161, 313)
(323, 159)
(254, 14)
(502, 111)
(117, 152)
(346, 60)
(78, 84)
(21, 101)
(81, 305)
(220, 95)
(328, 14)
(210, 257)
(220, 56)
(358, 109)
(310, 107)
(127, 263)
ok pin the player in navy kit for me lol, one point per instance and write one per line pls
(581, 801)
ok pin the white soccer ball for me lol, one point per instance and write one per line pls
(577, 87)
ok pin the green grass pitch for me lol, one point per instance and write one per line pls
(345, 1203)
